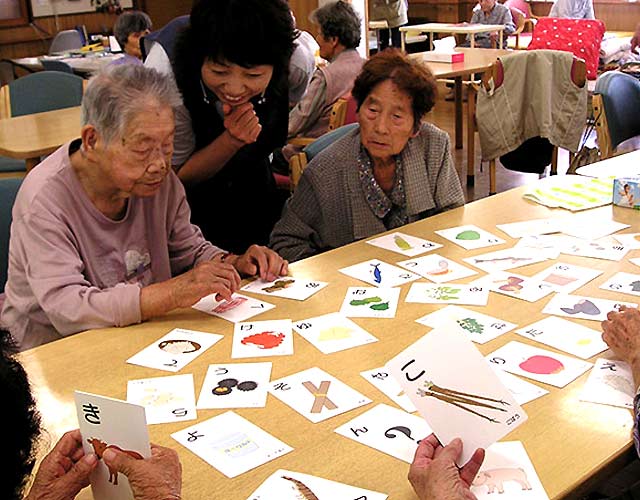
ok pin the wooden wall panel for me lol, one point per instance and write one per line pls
(163, 11)
(616, 15)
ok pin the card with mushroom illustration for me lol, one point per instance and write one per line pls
(235, 385)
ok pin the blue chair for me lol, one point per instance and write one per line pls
(55, 65)
(8, 191)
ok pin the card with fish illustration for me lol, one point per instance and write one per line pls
(623, 283)
(532, 227)
(448, 293)
(287, 287)
(175, 350)
(437, 268)
(110, 423)
(364, 302)
(231, 444)
(515, 285)
(456, 391)
(510, 258)
(387, 429)
(610, 383)
(628, 240)
(390, 387)
(238, 308)
(566, 278)
(235, 385)
(404, 244)
(538, 364)
(316, 395)
(576, 306)
(332, 333)
(588, 227)
(288, 485)
(523, 391)
(165, 399)
(378, 273)
(262, 338)
(566, 336)
(478, 327)
(507, 470)
(602, 249)
(470, 237)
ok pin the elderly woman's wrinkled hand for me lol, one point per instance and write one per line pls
(262, 261)
(242, 123)
(204, 279)
(621, 332)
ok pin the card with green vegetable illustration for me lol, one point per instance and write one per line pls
(378, 273)
(470, 237)
(287, 287)
(514, 285)
(623, 283)
(235, 385)
(478, 327)
(448, 293)
(262, 338)
(332, 333)
(605, 248)
(404, 244)
(502, 260)
(456, 391)
(577, 306)
(566, 278)
(437, 268)
(538, 364)
(362, 302)
(610, 383)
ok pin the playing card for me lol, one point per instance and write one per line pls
(363, 302)
(389, 386)
(165, 399)
(509, 258)
(387, 429)
(623, 283)
(548, 245)
(532, 227)
(437, 268)
(476, 326)
(316, 395)
(566, 278)
(514, 285)
(238, 308)
(588, 227)
(404, 244)
(231, 444)
(523, 391)
(287, 287)
(602, 249)
(470, 237)
(448, 293)
(379, 273)
(629, 240)
(235, 385)
(262, 338)
(175, 350)
(538, 364)
(456, 391)
(610, 383)
(332, 333)
(111, 423)
(576, 306)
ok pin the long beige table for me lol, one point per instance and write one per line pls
(568, 441)
(83, 65)
(452, 29)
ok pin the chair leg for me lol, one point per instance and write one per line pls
(471, 134)
(492, 177)
(554, 161)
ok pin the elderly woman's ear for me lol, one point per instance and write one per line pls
(89, 137)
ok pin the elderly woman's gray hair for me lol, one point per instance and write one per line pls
(133, 21)
(115, 95)
(339, 19)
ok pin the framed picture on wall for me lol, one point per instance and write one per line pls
(13, 13)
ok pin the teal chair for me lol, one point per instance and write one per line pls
(55, 65)
(8, 191)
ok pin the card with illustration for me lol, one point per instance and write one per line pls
(235, 385)
(262, 338)
(378, 273)
(533, 227)
(576, 306)
(448, 293)
(507, 470)
(514, 285)
(456, 391)
(387, 429)
(523, 391)
(363, 302)
(316, 395)
(588, 227)
(175, 350)
(509, 258)
(549, 245)
(470, 237)
(566, 336)
(238, 308)
(287, 287)
(389, 386)
(623, 283)
(538, 364)
(610, 383)
(602, 249)
(332, 333)
(437, 268)
(566, 278)
(231, 444)
(165, 399)
(288, 485)
(404, 244)
(478, 327)
(629, 240)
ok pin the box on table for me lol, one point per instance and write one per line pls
(448, 57)
(626, 192)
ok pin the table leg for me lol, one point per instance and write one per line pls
(473, 40)
(430, 40)
(501, 38)
(402, 42)
(471, 135)
(31, 162)
(458, 111)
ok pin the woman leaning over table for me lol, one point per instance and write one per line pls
(391, 170)
(101, 233)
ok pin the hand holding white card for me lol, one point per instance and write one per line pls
(332, 333)
(287, 287)
(404, 244)
(238, 308)
(470, 237)
(165, 399)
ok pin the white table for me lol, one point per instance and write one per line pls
(626, 165)
(454, 29)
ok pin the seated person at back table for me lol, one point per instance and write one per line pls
(575, 9)
(101, 234)
(302, 65)
(491, 12)
(392, 170)
(129, 28)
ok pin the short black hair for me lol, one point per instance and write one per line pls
(339, 19)
(132, 21)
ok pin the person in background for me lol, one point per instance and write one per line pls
(302, 65)
(491, 12)
(395, 13)
(129, 28)
(575, 9)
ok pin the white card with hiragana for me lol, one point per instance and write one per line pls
(316, 395)
(478, 327)
(448, 293)
(363, 302)
(388, 430)
(509, 258)
(565, 335)
(610, 383)
(587, 227)
(577, 306)
(532, 227)
(605, 250)
(437, 268)
(332, 333)
(287, 287)
(378, 273)
(623, 283)
(514, 285)
(549, 245)
(175, 350)
(231, 444)
(566, 278)
(404, 244)
(165, 399)
(629, 240)
(238, 308)
(389, 386)
(235, 385)
(538, 364)
(262, 338)
(456, 391)
(523, 391)
(470, 237)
